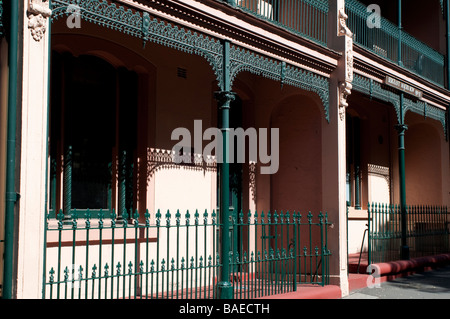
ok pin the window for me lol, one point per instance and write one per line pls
(353, 162)
(93, 133)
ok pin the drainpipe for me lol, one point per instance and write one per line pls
(11, 195)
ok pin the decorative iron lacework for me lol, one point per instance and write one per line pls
(244, 60)
(375, 89)
(150, 29)
(427, 111)
(1, 18)
(158, 159)
(141, 25)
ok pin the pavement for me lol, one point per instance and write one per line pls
(418, 278)
(429, 284)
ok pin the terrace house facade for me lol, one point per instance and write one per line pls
(347, 102)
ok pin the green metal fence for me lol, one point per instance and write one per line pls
(427, 231)
(307, 18)
(175, 256)
(384, 41)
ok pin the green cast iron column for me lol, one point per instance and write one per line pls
(224, 98)
(11, 195)
(401, 129)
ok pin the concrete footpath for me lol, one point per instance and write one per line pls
(421, 277)
(427, 275)
(430, 284)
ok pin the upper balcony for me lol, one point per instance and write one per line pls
(417, 47)
(387, 40)
(307, 18)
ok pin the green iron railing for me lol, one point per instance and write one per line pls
(177, 256)
(1, 18)
(307, 18)
(427, 231)
(384, 41)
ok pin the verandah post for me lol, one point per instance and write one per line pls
(224, 99)
(401, 129)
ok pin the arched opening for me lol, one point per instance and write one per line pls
(297, 186)
(422, 162)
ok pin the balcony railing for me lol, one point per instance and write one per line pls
(384, 41)
(307, 18)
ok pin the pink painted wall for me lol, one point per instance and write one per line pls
(298, 183)
(424, 175)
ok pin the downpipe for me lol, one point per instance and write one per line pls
(11, 196)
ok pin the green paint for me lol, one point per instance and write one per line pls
(11, 195)
(224, 99)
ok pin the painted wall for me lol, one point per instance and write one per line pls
(297, 186)
(426, 158)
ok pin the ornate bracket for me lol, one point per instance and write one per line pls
(38, 12)
(345, 89)
(345, 86)
(343, 29)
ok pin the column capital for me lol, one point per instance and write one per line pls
(224, 97)
(401, 128)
